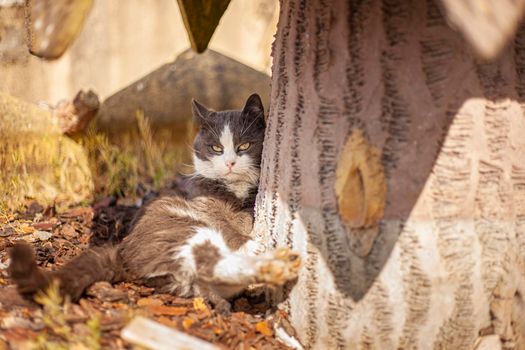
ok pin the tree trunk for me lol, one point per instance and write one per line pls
(394, 163)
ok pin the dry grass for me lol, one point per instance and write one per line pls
(139, 159)
(25, 163)
(63, 336)
(54, 168)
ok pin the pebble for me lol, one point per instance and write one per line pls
(42, 235)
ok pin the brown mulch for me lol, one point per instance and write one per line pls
(58, 237)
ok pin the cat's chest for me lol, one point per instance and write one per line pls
(238, 194)
(241, 190)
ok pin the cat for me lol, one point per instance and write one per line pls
(213, 177)
(191, 245)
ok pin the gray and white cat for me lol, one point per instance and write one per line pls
(198, 244)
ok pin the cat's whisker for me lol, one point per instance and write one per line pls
(187, 165)
(249, 126)
(211, 129)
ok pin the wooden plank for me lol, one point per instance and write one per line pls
(153, 335)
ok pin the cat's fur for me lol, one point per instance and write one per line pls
(228, 129)
(199, 245)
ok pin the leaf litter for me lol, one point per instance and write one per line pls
(97, 320)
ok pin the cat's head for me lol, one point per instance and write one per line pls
(229, 144)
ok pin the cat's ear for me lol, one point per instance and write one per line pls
(199, 112)
(254, 107)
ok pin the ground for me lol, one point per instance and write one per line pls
(97, 320)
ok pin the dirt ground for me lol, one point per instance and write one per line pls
(97, 320)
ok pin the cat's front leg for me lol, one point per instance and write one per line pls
(252, 248)
(235, 271)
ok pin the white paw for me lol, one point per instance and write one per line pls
(278, 267)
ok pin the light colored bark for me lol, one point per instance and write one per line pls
(443, 265)
(488, 25)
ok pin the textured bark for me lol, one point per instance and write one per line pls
(440, 265)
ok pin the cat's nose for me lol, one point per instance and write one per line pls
(230, 164)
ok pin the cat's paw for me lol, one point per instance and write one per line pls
(280, 266)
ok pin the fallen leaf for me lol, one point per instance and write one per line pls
(167, 321)
(44, 226)
(85, 213)
(16, 335)
(25, 228)
(108, 323)
(120, 306)
(69, 231)
(7, 231)
(84, 239)
(11, 321)
(149, 302)
(199, 304)
(42, 235)
(263, 328)
(168, 310)
(187, 323)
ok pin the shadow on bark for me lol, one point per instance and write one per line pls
(440, 119)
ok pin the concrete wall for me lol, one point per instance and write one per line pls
(124, 40)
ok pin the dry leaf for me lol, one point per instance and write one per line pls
(187, 323)
(69, 231)
(149, 302)
(43, 226)
(25, 228)
(263, 328)
(107, 303)
(168, 310)
(167, 321)
(199, 304)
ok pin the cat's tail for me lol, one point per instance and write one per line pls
(95, 264)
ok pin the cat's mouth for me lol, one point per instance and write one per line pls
(232, 174)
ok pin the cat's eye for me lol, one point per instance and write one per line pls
(216, 149)
(243, 146)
